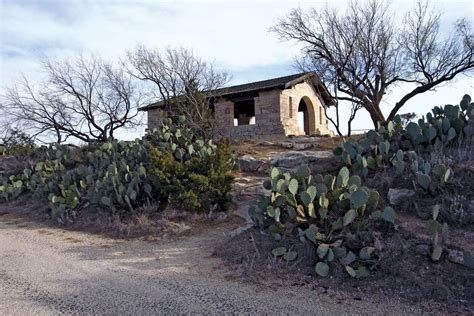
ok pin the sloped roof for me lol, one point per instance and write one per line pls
(275, 83)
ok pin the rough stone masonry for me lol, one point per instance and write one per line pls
(290, 105)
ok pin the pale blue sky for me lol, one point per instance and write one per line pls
(233, 34)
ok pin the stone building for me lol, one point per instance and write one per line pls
(290, 105)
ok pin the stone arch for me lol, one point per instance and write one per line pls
(306, 116)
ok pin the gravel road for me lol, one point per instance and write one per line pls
(47, 270)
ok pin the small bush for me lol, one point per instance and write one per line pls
(202, 183)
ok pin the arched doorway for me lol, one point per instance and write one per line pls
(306, 117)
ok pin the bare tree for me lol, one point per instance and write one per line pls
(84, 98)
(369, 54)
(183, 83)
(336, 121)
(13, 137)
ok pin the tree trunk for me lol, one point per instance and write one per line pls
(58, 136)
(375, 118)
(375, 114)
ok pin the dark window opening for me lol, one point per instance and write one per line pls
(212, 105)
(244, 112)
(290, 101)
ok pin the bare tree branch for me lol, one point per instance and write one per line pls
(369, 54)
(183, 83)
(83, 98)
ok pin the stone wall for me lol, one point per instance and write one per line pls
(267, 118)
(224, 112)
(289, 114)
(267, 114)
(154, 117)
(274, 117)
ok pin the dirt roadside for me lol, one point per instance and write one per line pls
(46, 270)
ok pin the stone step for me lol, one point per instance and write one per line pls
(318, 161)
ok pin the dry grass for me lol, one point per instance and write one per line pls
(148, 222)
(460, 153)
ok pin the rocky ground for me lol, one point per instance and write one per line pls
(289, 154)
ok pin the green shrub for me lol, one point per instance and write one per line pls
(441, 127)
(200, 183)
(337, 214)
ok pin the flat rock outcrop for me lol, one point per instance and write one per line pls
(317, 161)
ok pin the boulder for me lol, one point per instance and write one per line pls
(456, 256)
(266, 143)
(317, 161)
(398, 196)
(306, 139)
(248, 163)
(302, 146)
(286, 145)
(265, 167)
(245, 187)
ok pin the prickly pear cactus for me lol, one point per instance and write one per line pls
(173, 136)
(327, 211)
